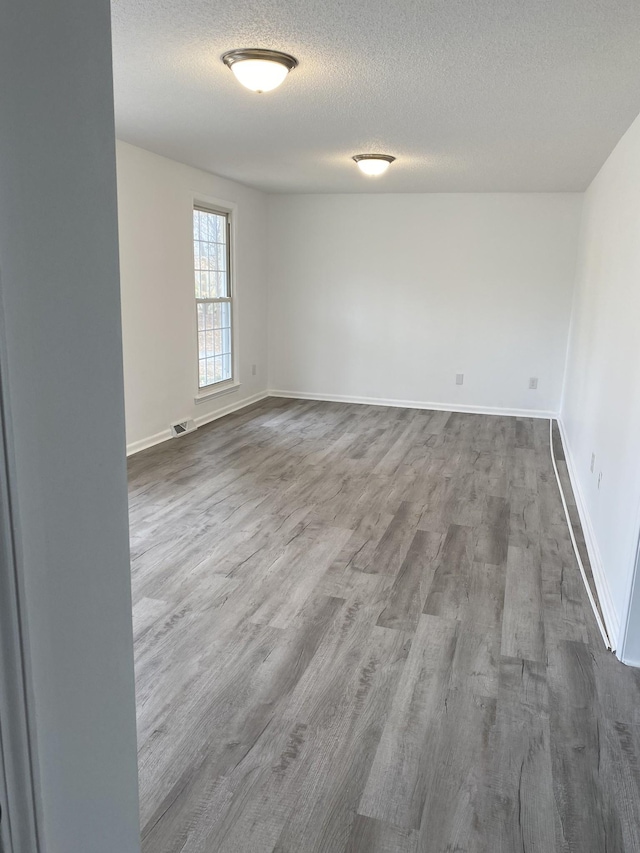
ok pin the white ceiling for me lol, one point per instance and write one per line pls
(469, 95)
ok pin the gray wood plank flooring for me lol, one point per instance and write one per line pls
(363, 629)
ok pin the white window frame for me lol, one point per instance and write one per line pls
(228, 209)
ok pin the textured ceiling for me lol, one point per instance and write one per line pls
(469, 95)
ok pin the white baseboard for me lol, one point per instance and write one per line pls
(611, 619)
(232, 407)
(414, 404)
(143, 443)
(159, 437)
(165, 435)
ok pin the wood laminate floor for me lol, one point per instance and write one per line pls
(363, 629)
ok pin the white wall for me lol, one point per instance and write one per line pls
(387, 297)
(155, 200)
(62, 406)
(601, 405)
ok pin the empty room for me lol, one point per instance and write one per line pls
(320, 385)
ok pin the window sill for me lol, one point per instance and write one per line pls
(205, 394)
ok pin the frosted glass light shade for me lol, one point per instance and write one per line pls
(259, 75)
(373, 164)
(259, 70)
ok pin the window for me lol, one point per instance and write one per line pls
(213, 296)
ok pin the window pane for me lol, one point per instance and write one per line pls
(214, 344)
(211, 281)
(217, 314)
(213, 256)
(226, 366)
(224, 284)
(213, 285)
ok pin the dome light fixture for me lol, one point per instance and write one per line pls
(373, 164)
(259, 70)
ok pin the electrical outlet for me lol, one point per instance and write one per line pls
(533, 383)
(459, 378)
(254, 369)
(599, 478)
(593, 462)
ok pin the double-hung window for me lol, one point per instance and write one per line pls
(211, 253)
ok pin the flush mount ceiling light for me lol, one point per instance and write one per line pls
(259, 70)
(373, 164)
